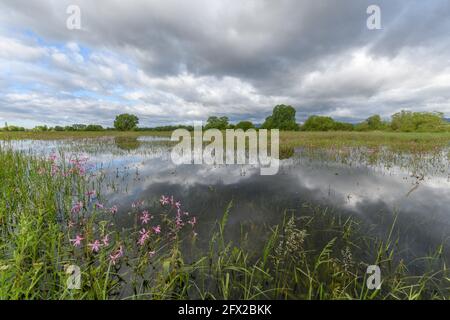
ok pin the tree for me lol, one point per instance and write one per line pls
(126, 122)
(217, 123)
(244, 125)
(343, 126)
(78, 127)
(94, 127)
(408, 121)
(374, 122)
(319, 123)
(40, 128)
(283, 118)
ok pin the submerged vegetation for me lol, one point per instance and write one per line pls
(53, 216)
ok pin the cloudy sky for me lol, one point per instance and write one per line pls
(173, 61)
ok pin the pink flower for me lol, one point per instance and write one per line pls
(192, 222)
(116, 255)
(77, 240)
(52, 157)
(179, 222)
(164, 200)
(144, 235)
(113, 209)
(77, 207)
(99, 206)
(95, 246)
(177, 204)
(157, 229)
(55, 170)
(145, 217)
(105, 240)
(90, 193)
(71, 224)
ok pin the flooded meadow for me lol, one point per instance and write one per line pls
(396, 199)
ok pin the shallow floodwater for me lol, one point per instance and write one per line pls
(418, 190)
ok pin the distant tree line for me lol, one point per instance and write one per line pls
(44, 128)
(282, 118)
(403, 121)
(123, 122)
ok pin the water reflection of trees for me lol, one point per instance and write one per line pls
(127, 143)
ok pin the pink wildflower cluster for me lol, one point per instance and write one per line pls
(104, 244)
(180, 214)
(79, 166)
(76, 166)
(97, 245)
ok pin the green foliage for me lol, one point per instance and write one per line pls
(12, 128)
(319, 123)
(69, 128)
(343, 126)
(408, 121)
(40, 128)
(126, 122)
(167, 128)
(79, 127)
(94, 127)
(372, 123)
(214, 122)
(283, 118)
(244, 125)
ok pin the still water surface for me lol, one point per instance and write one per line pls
(417, 190)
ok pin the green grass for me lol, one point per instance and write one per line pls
(398, 140)
(58, 135)
(320, 255)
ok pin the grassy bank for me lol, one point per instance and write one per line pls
(397, 140)
(58, 135)
(51, 217)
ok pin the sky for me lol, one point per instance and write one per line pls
(178, 61)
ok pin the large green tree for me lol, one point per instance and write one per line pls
(283, 118)
(244, 125)
(319, 123)
(408, 121)
(372, 123)
(126, 122)
(214, 122)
